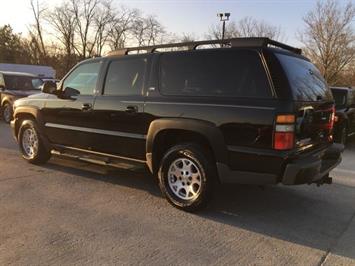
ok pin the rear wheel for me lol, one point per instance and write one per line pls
(31, 145)
(187, 176)
(7, 112)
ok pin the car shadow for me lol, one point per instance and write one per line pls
(302, 215)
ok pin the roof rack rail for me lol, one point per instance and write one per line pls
(234, 42)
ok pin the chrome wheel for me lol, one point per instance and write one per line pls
(184, 179)
(30, 142)
(7, 113)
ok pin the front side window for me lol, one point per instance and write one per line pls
(125, 77)
(228, 73)
(14, 82)
(83, 78)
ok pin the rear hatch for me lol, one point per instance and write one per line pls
(313, 101)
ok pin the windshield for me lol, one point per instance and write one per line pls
(22, 83)
(339, 97)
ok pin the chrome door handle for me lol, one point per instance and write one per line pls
(132, 109)
(86, 107)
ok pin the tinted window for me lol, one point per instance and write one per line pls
(306, 82)
(13, 82)
(125, 77)
(83, 78)
(339, 97)
(214, 73)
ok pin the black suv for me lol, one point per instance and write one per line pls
(13, 86)
(243, 113)
(344, 127)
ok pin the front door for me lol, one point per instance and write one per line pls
(69, 121)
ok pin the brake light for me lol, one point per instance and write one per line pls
(284, 133)
(331, 119)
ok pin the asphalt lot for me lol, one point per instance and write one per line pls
(71, 213)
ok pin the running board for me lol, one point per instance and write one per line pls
(99, 160)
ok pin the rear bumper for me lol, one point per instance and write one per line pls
(312, 168)
(304, 170)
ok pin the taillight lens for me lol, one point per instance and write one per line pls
(332, 118)
(284, 133)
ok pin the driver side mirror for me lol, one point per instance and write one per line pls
(2, 87)
(69, 93)
(49, 87)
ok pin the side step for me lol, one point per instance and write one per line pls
(100, 160)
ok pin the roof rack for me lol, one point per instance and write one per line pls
(234, 42)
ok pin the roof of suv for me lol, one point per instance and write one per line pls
(17, 74)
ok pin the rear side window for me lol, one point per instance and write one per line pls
(340, 97)
(125, 77)
(214, 73)
(306, 82)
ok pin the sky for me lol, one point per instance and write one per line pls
(194, 16)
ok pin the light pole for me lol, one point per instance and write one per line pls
(223, 17)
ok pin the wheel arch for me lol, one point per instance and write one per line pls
(165, 132)
(30, 112)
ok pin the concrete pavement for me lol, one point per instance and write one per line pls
(72, 213)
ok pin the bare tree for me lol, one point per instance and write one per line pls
(121, 25)
(63, 21)
(329, 38)
(215, 31)
(147, 31)
(154, 31)
(250, 27)
(37, 33)
(84, 13)
(246, 27)
(103, 19)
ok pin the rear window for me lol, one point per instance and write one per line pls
(339, 97)
(13, 82)
(306, 82)
(214, 73)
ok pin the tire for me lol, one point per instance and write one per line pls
(7, 113)
(31, 145)
(187, 176)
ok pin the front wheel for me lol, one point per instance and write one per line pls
(31, 145)
(187, 176)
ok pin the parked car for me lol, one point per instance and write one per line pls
(244, 113)
(43, 72)
(13, 86)
(345, 113)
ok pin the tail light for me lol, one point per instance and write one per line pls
(330, 124)
(284, 133)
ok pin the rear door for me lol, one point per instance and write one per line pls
(118, 111)
(313, 101)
